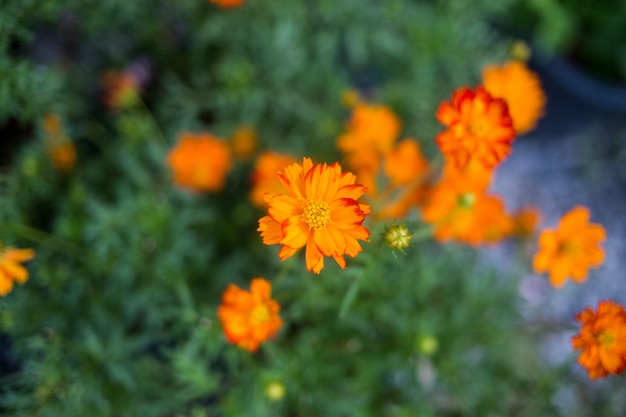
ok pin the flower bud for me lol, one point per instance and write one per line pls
(398, 237)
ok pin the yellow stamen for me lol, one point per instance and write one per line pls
(606, 339)
(316, 214)
(260, 314)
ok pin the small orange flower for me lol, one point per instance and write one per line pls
(371, 133)
(121, 89)
(571, 249)
(10, 268)
(319, 211)
(521, 89)
(200, 162)
(225, 4)
(244, 142)
(59, 147)
(602, 339)
(265, 177)
(249, 318)
(526, 221)
(405, 163)
(479, 128)
(462, 211)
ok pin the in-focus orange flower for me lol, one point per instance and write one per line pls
(319, 211)
(249, 318)
(225, 4)
(59, 147)
(265, 177)
(602, 339)
(200, 162)
(372, 131)
(244, 142)
(121, 89)
(521, 89)
(11, 269)
(571, 249)
(479, 128)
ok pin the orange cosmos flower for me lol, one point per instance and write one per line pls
(521, 89)
(200, 162)
(602, 339)
(249, 318)
(11, 269)
(461, 210)
(225, 4)
(405, 163)
(479, 128)
(319, 211)
(570, 249)
(526, 221)
(243, 142)
(265, 177)
(372, 131)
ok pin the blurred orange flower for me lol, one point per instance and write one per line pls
(249, 318)
(602, 339)
(405, 163)
(59, 147)
(319, 211)
(244, 142)
(479, 128)
(571, 249)
(526, 221)
(11, 269)
(200, 162)
(121, 89)
(225, 4)
(265, 177)
(521, 89)
(462, 211)
(372, 131)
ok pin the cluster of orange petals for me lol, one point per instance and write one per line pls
(225, 4)
(319, 211)
(200, 162)
(571, 249)
(479, 128)
(60, 148)
(244, 142)
(265, 177)
(522, 91)
(602, 339)
(249, 318)
(460, 209)
(11, 269)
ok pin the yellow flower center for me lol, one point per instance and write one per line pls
(466, 200)
(316, 214)
(605, 339)
(569, 248)
(260, 314)
(478, 127)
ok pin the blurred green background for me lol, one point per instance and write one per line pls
(119, 318)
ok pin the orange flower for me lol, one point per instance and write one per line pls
(460, 210)
(265, 177)
(571, 249)
(521, 89)
(602, 339)
(405, 164)
(243, 142)
(10, 268)
(479, 128)
(249, 318)
(200, 162)
(121, 89)
(59, 147)
(319, 211)
(372, 131)
(225, 4)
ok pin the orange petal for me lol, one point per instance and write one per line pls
(295, 232)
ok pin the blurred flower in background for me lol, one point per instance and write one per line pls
(11, 269)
